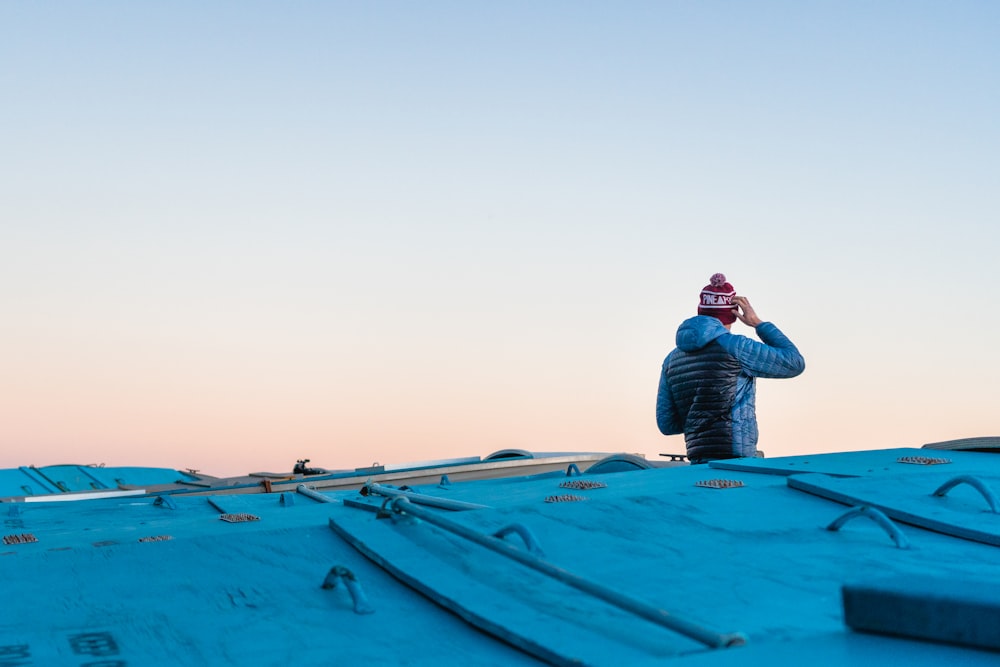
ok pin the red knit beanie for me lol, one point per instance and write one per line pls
(717, 299)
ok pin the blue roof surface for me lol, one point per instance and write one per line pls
(693, 565)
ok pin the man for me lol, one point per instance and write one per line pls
(707, 383)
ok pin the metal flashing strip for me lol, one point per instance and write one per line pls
(86, 495)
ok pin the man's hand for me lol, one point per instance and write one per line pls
(744, 312)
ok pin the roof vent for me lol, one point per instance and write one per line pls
(922, 460)
(719, 483)
(239, 517)
(583, 485)
(565, 498)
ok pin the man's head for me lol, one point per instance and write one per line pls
(717, 299)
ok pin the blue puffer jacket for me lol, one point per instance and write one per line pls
(707, 387)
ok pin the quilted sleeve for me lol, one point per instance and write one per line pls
(775, 357)
(666, 411)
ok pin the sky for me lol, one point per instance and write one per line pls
(234, 235)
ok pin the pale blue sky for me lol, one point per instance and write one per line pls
(239, 233)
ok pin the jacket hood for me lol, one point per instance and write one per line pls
(696, 332)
